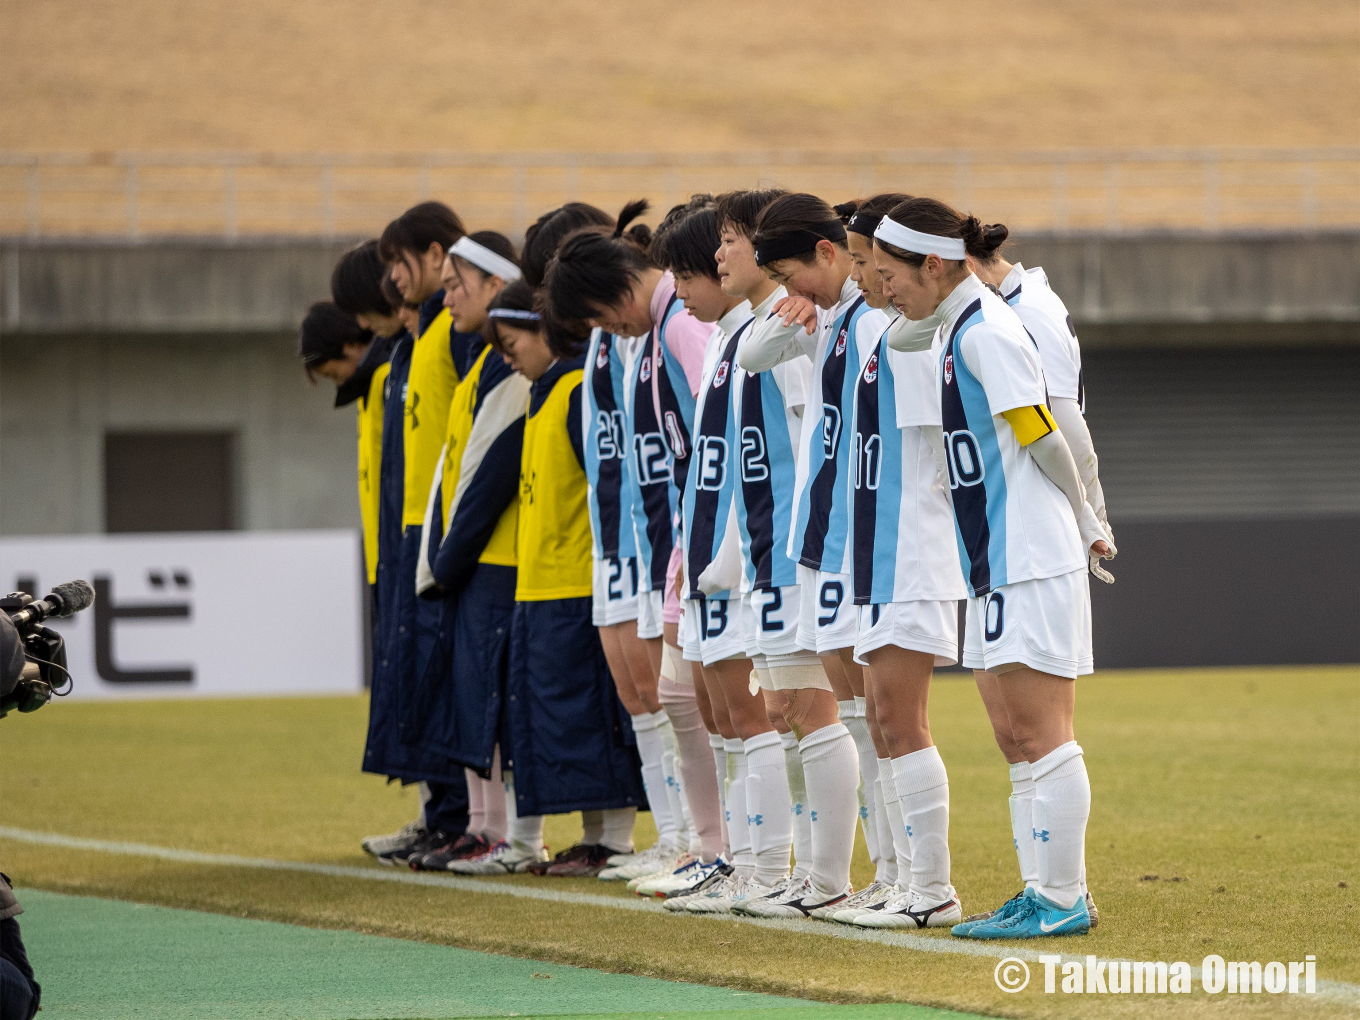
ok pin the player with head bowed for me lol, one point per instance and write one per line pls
(1026, 536)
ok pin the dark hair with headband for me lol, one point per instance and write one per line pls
(687, 240)
(326, 329)
(595, 270)
(862, 215)
(930, 216)
(791, 226)
(492, 241)
(514, 306)
(417, 228)
(740, 209)
(543, 238)
(356, 282)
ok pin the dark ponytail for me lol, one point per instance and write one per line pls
(543, 238)
(687, 240)
(594, 270)
(930, 216)
(791, 226)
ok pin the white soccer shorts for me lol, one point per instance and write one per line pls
(614, 594)
(649, 616)
(772, 621)
(828, 620)
(924, 625)
(1044, 624)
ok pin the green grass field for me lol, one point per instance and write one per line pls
(1224, 821)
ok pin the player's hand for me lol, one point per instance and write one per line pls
(796, 308)
(1101, 550)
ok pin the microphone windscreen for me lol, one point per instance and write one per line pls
(73, 596)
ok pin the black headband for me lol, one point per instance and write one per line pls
(864, 223)
(799, 241)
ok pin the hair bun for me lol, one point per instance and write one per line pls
(982, 241)
(847, 209)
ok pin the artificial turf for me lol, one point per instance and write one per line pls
(1224, 820)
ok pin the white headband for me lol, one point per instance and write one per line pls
(922, 244)
(486, 259)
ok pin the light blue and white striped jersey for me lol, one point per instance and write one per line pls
(654, 494)
(903, 524)
(606, 444)
(1012, 523)
(1046, 318)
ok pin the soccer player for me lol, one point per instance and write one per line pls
(566, 746)
(468, 550)
(1026, 536)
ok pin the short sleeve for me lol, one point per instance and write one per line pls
(1006, 362)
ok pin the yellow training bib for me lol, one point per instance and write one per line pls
(370, 465)
(429, 390)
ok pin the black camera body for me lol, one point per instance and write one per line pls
(44, 672)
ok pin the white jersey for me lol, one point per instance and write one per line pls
(903, 526)
(1027, 291)
(1012, 523)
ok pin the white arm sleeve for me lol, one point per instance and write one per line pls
(1072, 423)
(724, 573)
(1054, 458)
(770, 343)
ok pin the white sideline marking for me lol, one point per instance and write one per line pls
(489, 886)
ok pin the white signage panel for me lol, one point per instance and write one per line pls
(203, 614)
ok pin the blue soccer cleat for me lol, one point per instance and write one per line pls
(999, 914)
(1033, 916)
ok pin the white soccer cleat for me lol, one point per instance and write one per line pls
(502, 859)
(797, 899)
(648, 862)
(403, 837)
(902, 911)
(619, 860)
(649, 885)
(665, 864)
(871, 897)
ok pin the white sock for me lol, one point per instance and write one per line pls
(651, 748)
(923, 788)
(769, 810)
(738, 831)
(493, 801)
(522, 833)
(617, 829)
(716, 742)
(886, 872)
(892, 808)
(670, 770)
(802, 821)
(1022, 821)
(831, 769)
(1062, 804)
(592, 827)
(476, 789)
(858, 726)
(425, 795)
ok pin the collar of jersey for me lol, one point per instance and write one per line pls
(959, 298)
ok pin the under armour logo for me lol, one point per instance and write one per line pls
(863, 811)
(908, 828)
(670, 781)
(1040, 835)
(755, 820)
(1016, 842)
(727, 815)
(814, 816)
(798, 809)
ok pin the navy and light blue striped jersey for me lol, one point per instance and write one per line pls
(605, 420)
(903, 524)
(1046, 319)
(654, 493)
(822, 522)
(672, 387)
(1012, 523)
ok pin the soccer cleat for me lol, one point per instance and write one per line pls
(756, 891)
(678, 903)
(379, 845)
(426, 842)
(1034, 916)
(469, 844)
(618, 860)
(685, 879)
(502, 859)
(724, 897)
(796, 899)
(902, 911)
(668, 867)
(569, 854)
(871, 897)
(1091, 908)
(649, 862)
(587, 863)
(999, 914)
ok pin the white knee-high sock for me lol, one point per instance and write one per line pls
(694, 766)
(494, 801)
(1022, 821)
(738, 831)
(616, 829)
(831, 768)
(886, 872)
(476, 788)
(651, 748)
(524, 833)
(892, 806)
(802, 820)
(670, 770)
(858, 726)
(768, 807)
(923, 788)
(1062, 805)
(718, 746)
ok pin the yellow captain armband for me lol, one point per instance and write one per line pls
(1030, 423)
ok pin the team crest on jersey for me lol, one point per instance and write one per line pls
(646, 370)
(871, 369)
(840, 341)
(949, 368)
(720, 376)
(602, 358)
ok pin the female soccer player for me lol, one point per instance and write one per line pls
(468, 549)
(1026, 537)
(563, 739)
(607, 280)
